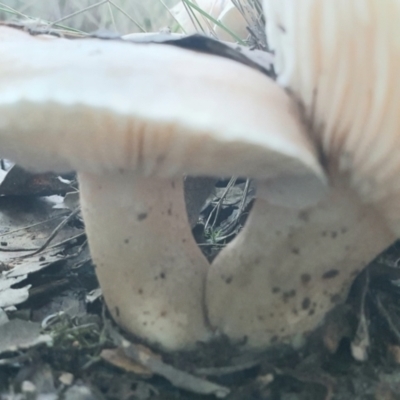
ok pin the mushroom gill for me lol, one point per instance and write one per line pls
(340, 59)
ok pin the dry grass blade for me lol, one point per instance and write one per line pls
(49, 239)
(253, 15)
(217, 208)
(195, 7)
(162, 2)
(123, 16)
(80, 12)
(195, 20)
(127, 15)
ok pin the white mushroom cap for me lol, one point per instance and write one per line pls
(222, 10)
(233, 19)
(88, 87)
(189, 23)
(132, 122)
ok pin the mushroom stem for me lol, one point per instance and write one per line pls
(287, 268)
(150, 269)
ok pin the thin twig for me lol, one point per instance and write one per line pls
(79, 12)
(172, 15)
(54, 233)
(233, 224)
(127, 15)
(49, 239)
(31, 226)
(216, 22)
(231, 183)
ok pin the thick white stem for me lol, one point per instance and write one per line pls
(277, 280)
(150, 269)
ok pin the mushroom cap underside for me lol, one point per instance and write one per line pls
(94, 105)
(347, 87)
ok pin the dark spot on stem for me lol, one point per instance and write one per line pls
(276, 290)
(281, 28)
(304, 216)
(330, 274)
(296, 251)
(126, 241)
(117, 311)
(141, 216)
(305, 303)
(305, 278)
(287, 295)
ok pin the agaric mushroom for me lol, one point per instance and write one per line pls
(222, 10)
(132, 123)
(287, 269)
(233, 19)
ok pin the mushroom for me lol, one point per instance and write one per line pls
(222, 10)
(132, 124)
(233, 19)
(276, 281)
(287, 269)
